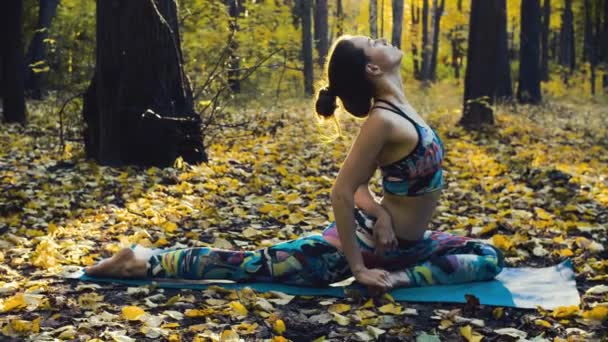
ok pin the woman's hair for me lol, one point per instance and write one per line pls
(347, 80)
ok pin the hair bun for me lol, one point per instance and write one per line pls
(326, 102)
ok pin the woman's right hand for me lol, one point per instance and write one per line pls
(374, 277)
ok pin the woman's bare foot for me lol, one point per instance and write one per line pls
(123, 264)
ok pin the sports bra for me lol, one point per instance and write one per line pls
(420, 171)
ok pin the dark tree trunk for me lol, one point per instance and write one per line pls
(437, 13)
(545, 40)
(566, 44)
(604, 45)
(426, 47)
(588, 35)
(35, 59)
(397, 23)
(480, 77)
(306, 9)
(504, 87)
(594, 53)
(528, 90)
(321, 30)
(414, 29)
(381, 18)
(339, 18)
(235, 8)
(11, 56)
(138, 108)
(373, 18)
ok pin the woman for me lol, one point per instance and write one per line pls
(383, 244)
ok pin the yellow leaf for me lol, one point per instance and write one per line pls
(368, 304)
(445, 324)
(229, 336)
(279, 326)
(565, 311)
(497, 312)
(542, 323)
(470, 335)
(15, 302)
(132, 313)
(566, 252)
(542, 214)
(198, 313)
(170, 325)
(339, 308)
(342, 320)
(169, 226)
(279, 339)
(238, 308)
(598, 313)
(390, 308)
(502, 241)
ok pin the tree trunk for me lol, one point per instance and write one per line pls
(414, 29)
(480, 78)
(437, 13)
(321, 28)
(381, 18)
(426, 48)
(373, 18)
(11, 56)
(35, 58)
(528, 90)
(588, 35)
(545, 40)
(567, 52)
(397, 23)
(339, 18)
(306, 10)
(235, 8)
(604, 45)
(504, 87)
(138, 108)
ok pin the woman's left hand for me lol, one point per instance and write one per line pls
(384, 235)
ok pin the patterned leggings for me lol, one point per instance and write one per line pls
(439, 258)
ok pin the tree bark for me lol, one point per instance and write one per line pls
(339, 18)
(415, 11)
(437, 14)
(480, 78)
(504, 86)
(373, 18)
(397, 23)
(321, 30)
(567, 51)
(604, 45)
(235, 8)
(588, 33)
(138, 108)
(426, 48)
(11, 56)
(35, 59)
(528, 90)
(306, 10)
(545, 40)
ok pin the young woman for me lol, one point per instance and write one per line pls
(383, 244)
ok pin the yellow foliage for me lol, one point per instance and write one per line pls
(598, 313)
(565, 311)
(470, 335)
(132, 313)
(502, 241)
(279, 326)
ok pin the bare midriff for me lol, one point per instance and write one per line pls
(410, 215)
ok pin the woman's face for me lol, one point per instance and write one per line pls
(379, 52)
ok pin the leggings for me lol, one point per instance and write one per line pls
(438, 258)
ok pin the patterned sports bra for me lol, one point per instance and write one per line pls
(420, 171)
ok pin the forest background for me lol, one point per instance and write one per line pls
(251, 165)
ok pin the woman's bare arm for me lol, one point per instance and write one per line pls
(366, 201)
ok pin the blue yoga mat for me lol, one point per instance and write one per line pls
(525, 287)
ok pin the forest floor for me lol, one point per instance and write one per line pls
(536, 185)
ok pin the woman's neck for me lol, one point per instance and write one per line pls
(390, 88)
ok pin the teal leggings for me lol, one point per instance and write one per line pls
(439, 258)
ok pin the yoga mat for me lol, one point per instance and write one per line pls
(525, 287)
